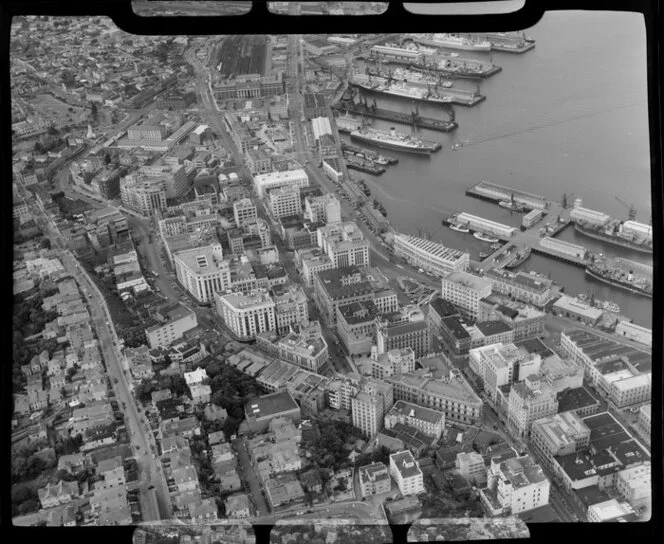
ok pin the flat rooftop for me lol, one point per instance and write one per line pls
(574, 399)
(401, 407)
(270, 405)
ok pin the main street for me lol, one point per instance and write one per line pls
(154, 496)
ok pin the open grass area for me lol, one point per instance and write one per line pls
(58, 111)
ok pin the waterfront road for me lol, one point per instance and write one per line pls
(155, 502)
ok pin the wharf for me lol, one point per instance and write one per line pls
(492, 192)
(413, 118)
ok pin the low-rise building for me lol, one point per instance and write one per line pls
(374, 479)
(430, 422)
(559, 434)
(470, 465)
(262, 410)
(527, 287)
(611, 511)
(465, 291)
(637, 333)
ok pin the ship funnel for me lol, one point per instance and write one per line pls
(393, 131)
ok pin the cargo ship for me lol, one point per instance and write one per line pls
(518, 259)
(614, 237)
(620, 278)
(394, 140)
(413, 76)
(452, 41)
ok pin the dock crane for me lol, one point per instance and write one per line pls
(631, 214)
(565, 200)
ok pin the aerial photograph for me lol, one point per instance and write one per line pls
(347, 280)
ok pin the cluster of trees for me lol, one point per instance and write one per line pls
(231, 389)
(380, 455)
(69, 445)
(48, 143)
(175, 383)
(27, 463)
(24, 500)
(328, 448)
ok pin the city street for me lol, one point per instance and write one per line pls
(155, 504)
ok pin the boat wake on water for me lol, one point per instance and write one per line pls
(475, 141)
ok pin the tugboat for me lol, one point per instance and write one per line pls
(485, 237)
(459, 228)
(612, 307)
(511, 204)
(495, 247)
(485, 253)
(518, 259)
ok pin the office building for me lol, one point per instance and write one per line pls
(310, 262)
(465, 291)
(428, 421)
(514, 486)
(174, 321)
(611, 511)
(344, 244)
(244, 210)
(391, 363)
(323, 209)
(291, 306)
(470, 465)
(202, 271)
(406, 473)
(528, 401)
(523, 286)
(285, 201)
(246, 315)
(340, 286)
(414, 334)
(559, 434)
(431, 256)
(370, 404)
(262, 410)
(450, 393)
(289, 178)
(356, 326)
(144, 196)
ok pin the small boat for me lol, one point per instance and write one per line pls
(459, 228)
(485, 237)
(495, 247)
(454, 55)
(484, 253)
(612, 307)
(457, 146)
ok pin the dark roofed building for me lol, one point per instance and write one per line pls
(455, 337)
(261, 411)
(578, 400)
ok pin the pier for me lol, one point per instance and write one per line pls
(414, 119)
(492, 192)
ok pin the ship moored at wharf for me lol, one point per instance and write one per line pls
(628, 275)
(612, 234)
(422, 58)
(345, 123)
(430, 93)
(518, 259)
(394, 140)
(452, 41)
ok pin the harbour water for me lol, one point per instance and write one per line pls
(569, 116)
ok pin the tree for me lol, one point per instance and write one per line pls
(19, 468)
(93, 111)
(27, 507)
(39, 147)
(45, 243)
(53, 131)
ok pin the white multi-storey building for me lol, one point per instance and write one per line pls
(523, 286)
(289, 178)
(406, 473)
(175, 320)
(495, 364)
(632, 331)
(285, 201)
(559, 434)
(367, 413)
(430, 256)
(246, 315)
(144, 196)
(323, 209)
(344, 244)
(244, 210)
(202, 271)
(634, 484)
(515, 485)
(465, 291)
(471, 466)
(528, 401)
